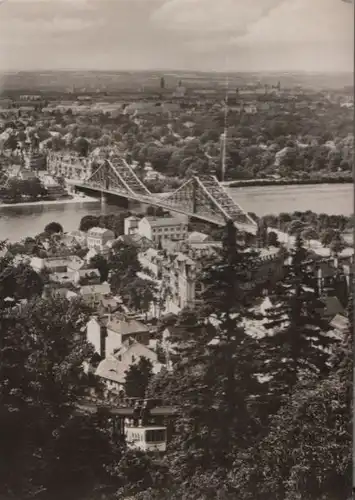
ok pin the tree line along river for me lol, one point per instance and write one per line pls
(18, 222)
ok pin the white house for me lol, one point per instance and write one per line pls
(163, 228)
(96, 334)
(151, 259)
(98, 237)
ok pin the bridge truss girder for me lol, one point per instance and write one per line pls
(203, 198)
(207, 199)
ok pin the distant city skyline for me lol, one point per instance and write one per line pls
(187, 35)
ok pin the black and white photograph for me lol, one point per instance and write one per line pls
(176, 249)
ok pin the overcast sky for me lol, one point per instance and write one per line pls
(238, 35)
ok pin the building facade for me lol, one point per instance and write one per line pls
(98, 237)
(160, 229)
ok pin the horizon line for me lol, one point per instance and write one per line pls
(160, 70)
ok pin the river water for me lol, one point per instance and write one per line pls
(18, 222)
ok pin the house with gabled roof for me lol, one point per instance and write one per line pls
(112, 370)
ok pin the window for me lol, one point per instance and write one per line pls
(155, 436)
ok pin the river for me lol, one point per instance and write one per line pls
(18, 222)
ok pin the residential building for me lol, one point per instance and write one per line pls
(89, 276)
(180, 280)
(98, 237)
(135, 239)
(196, 237)
(59, 265)
(63, 292)
(270, 265)
(120, 328)
(158, 229)
(153, 260)
(112, 370)
(68, 165)
(131, 225)
(75, 237)
(53, 188)
(51, 264)
(93, 294)
(96, 333)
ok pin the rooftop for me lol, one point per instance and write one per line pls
(103, 289)
(98, 231)
(112, 369)
(332, 306)
(340, 322)
(165, 221)
(196, 237)
(126, 326)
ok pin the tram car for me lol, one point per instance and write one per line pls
(149, 438)
(144, 424)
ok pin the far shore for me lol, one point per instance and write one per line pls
(76, 199)
(286, 182)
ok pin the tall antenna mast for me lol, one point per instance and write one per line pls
(224, 138)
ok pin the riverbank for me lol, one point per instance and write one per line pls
(287, 182)
(75, 199)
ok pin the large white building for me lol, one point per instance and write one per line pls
(98, 237)
(158, 228)
(177, 275)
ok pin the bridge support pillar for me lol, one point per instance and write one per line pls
(194, 200)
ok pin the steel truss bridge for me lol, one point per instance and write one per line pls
(201, 197)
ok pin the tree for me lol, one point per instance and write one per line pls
(82, 146)
(19, 282)
(272, 239)
(309, 233)
(262, 234)
(141, 476)
(296, 227)
(53, 228)
(337, 244)
(139, 294)
(42, 352)
(150, 211)
(327, 236)
(217, 384)
(297, 345)
(99, 262)
(88, 221)
(74, 471)
(114, 222)
(307, 452)
(124, 265)
(137, 378)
